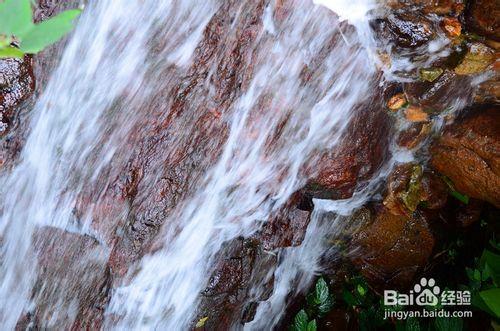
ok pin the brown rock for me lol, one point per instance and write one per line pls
(403, 189)
(61, 302)
(468, 214)
(392, 248)
(242, 265)
(469, 154)
(433, 192)
(440, 94)
(483, 17)
(440, 7)
(287, 228)
(405, 30)
(356, 159)
(414, 135)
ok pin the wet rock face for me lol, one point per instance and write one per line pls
(440, 94)
(17, 83)
(288, 227)
(360, 154)
(392, 248)
(155, 183)
(469, 154)
(405, 30)
(410, 187)
(60, 264)
(483, 17)
(226, 300)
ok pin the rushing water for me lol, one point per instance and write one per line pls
(82, 126)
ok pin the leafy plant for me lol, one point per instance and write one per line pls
(484, 280)
(319, 303)
(17, 28)
(454, 193)
(301, 322)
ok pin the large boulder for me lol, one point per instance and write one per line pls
(360, 154)
(392, 248)
(469, 154)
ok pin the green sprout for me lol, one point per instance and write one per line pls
(17, 28)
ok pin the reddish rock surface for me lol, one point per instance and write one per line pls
(225, 300)
(483, 17)
(287, 228)
(64, 258)
(469, 154)
(360, 154)
(440, 94)
(392, 248)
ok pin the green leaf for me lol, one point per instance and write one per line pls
(454, 193)
(10, 52)
(361, 290)
(459, 196)
(492, 299)
(15, 17)
(300, 322)
(48, 32)
(448, 324)
(322, 292)
(477, 275)
(490, 263)
(325, 306)
(349, 298)
(311, 326)
(430, 74)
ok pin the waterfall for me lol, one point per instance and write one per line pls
(106, 92)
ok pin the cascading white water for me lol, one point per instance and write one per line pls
(98, 93)
(76, 131)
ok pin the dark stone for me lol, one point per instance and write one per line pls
(440, 94)
(404, 30)
(483, 17)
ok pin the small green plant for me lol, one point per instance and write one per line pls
(319, 303)
(301, 322)
(484, 281)
(454, 193)
(17, 28)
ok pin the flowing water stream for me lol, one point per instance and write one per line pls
(105, 94)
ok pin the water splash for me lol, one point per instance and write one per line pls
(253, 178)
(81, 128)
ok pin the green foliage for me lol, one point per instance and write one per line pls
(319, 303)
(359, 298)
(454, 193)
(301, 322)
(16, 24)
(484, 280)
(430, 74)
